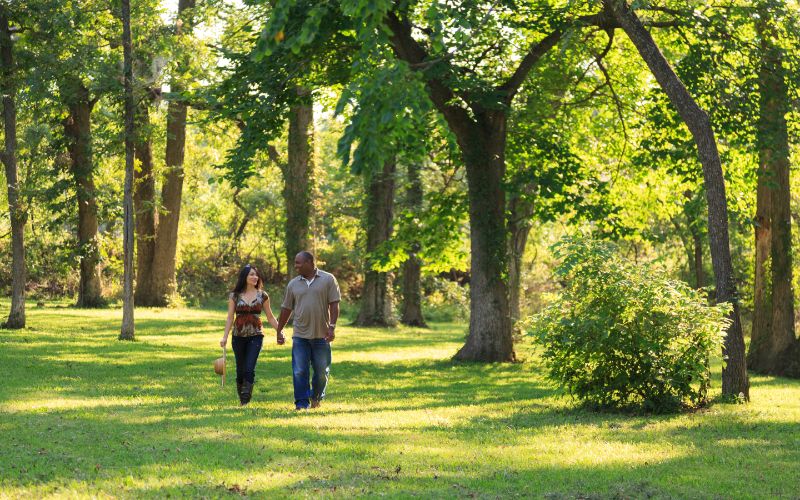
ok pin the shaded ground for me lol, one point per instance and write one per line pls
(84, 414)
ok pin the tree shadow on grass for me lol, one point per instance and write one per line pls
(330, 462)
(93, 410)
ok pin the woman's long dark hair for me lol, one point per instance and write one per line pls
(241, 283)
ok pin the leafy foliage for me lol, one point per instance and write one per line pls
(623, 335)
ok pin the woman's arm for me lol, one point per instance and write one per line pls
(228, 322)
(270, 317)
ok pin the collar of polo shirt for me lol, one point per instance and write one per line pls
(308, 282)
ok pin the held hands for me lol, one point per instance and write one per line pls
(281, 338)
(330, 335)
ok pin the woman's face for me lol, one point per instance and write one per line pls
(252, 277)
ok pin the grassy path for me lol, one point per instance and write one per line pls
(82, 414)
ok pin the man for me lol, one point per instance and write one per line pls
(313, 296)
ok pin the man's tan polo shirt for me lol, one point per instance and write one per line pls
(309, 301)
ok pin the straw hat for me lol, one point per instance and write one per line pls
(219, 366)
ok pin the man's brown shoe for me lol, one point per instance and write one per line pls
(315, 403)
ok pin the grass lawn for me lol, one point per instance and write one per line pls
(82, 414)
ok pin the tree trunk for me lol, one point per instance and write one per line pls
(166, 247)
(762, 305)
(127, 329)
(697, 241)
(412, 267)
(481, 137)
(490, 328)
(520, 212)
(144, 203)
(412, 291)
(769, 349)
(298, 178)
(376, 296)
(77, 128)
(236, 235)
(696, 257)
(735, 382)
(16, 317)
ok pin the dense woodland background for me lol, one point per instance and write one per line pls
(426, 152)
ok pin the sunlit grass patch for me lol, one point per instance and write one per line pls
(83, 414)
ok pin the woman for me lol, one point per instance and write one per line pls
(247, 300)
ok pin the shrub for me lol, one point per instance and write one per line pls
(444, 300)
(624, 336)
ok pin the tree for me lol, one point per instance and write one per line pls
(261, 94)
(298, 178)
(734, 375)
(473, 68)
(155, 261)
(476, 106)
(144, 196)
(773, 346)
(376, 297)
(8, 88)
(481, 135)
(389, 124)
(166, 237)
(77, 65)
(77, 129)
(128, 328)
(412, 267)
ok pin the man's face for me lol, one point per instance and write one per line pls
(303, 266)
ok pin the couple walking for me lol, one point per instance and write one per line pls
(313, 296)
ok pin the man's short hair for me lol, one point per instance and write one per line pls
(307, 256)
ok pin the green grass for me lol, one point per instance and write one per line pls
(82, 414)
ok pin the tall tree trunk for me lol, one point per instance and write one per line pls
(520, 212)
(412, 291)
(16, 317)
(77, 128)
(412, 267)
(376, 296)
(696, 258)
(166, 247)
(689, 248)
(490, 327)
(757, 357)
(734, 374)
(481, 137)
(127, 330)
(144, 205)
(697, 242)
(768, 350)
(298, 178)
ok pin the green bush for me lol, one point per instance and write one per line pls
(444, 300)
(623, 336)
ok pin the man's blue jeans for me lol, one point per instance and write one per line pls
(307, 353)
(246, 350)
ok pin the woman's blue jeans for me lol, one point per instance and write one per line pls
(246, 350)
(308, 353)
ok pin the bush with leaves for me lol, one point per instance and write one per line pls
(623, 336)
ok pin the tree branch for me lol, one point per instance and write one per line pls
(537, 50)
(409, 50)
(272, 152)
(614, 96)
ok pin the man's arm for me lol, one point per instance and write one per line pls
(285, 313)
(333, 311)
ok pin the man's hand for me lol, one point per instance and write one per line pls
(281, 338)
(330, 335)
